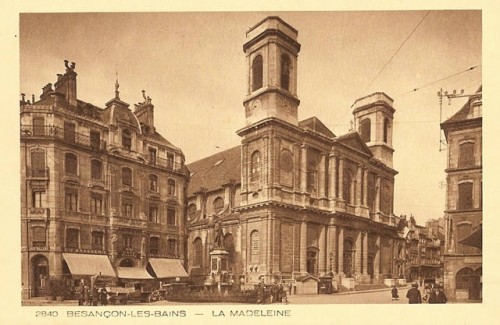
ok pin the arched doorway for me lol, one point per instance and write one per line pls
(312, 265)
(467, 280)
(348, 252)
(40, 266)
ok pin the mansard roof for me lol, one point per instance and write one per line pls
(212, 172)
(465, 113)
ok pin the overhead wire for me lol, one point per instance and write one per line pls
(397, 51)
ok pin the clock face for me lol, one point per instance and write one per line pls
(256, 105)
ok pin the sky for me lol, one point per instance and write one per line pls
(192, 65)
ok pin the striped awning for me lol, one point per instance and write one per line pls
(88, 264)
(133, 273)
(167, 268)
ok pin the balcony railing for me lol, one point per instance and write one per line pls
(39, 213)
(56, 132)
(165, 163)
(38, 173)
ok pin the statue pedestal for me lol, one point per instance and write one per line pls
(219, 269)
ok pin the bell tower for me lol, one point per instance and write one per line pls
(373, 120)
(271, 56)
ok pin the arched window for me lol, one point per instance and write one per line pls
(257, 73)
(285, 72)
(70, 164)
(72, 238)
(38, 163)
(197, 252)
(255, 167)
(153, 183)
(465, 196)
(254, 246)
(365, 129)
(38, 236)
(96, 169)
(126, 140)
(172, 247)
(348, 187)
(464, 278)
(286, 166)
(171, 187)
(466, 155)
(218, 205)
(386, 129)
(191, 211)
(127, 176)
(154, 245)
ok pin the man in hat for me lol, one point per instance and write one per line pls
(437, 296)
(413, 295)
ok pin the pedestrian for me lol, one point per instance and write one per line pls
(95, 296)
(86, 296)
(437, 296)
(394, 293)
(79, 294)
(103, 296)
(413, 295)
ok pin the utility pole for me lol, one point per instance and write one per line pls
(450, 96)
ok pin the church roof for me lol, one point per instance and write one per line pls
(314, 124)
(212, 172)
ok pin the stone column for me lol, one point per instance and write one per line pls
(358, 185)
(322, 258)
(340, 250)
(332, 177)
(322, 176)
(358, 254)
(303, 170)
(244, 168)
(341, 178)
(303, 247)
(377, 199)
(365, 187)
(365, 253)
(331, 248)
(377, 258)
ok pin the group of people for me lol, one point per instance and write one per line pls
(435, 295)
(271, 293)
(88, 297)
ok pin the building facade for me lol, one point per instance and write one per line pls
(102, 192)
(295, 201)
(424, 250)
(464, 214)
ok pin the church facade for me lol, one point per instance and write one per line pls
(295, 201)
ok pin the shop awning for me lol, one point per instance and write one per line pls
(475, 239)
(133, 273)
(88, 264)
(167, 268)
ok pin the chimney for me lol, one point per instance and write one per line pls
(46, 90)
(66, 84)
(145, 113)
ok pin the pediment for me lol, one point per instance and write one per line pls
(353, 140)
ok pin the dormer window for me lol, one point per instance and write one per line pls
(126, 140)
